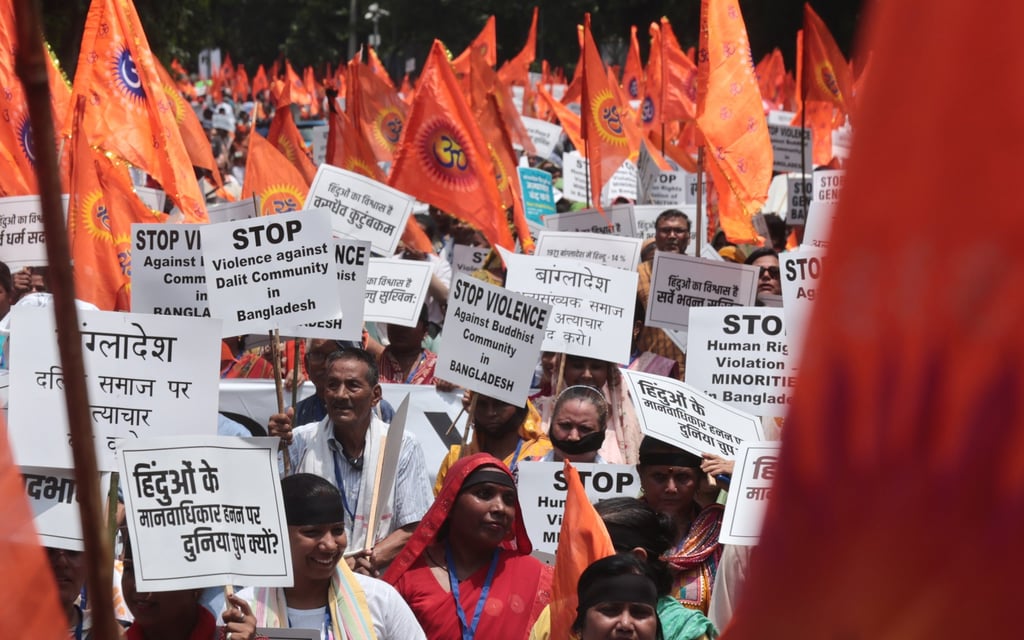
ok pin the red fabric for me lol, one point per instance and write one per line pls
(391, 371)
(205, 629)
(517, 70)
(485, 43)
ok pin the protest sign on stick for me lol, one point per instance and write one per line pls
(801, 272)
(676, 413)
(493, 340)
(146, 376)
(352, 259)
(205, 512)
(269, 272)
(679, 283)
(749, 493)
(395, 290)
(168, 276)
(22, 241)
(616, 220)
(611, 251)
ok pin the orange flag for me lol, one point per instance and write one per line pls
(241, 87)
(259, 81)
(771, 77)
(910, 401)
(310, 85)
(442, 157)
(196, 142)
(378, 67)
(295, 91)
(609, 136)
(731, 119)
(671, 86)
(582, 541)
(285, 136)
(826, 75)
(127, 111)
(485, 82)
(633, 73)
(376, 109)
(269, 175)
(566, 117)
(575, 88)
(348, 149)
(517, 70)
(485, 43)
(102, 209)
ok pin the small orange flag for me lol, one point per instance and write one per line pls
(771, 77)
(633, 73)
(485, 43)
(377, 67)
(309, 83)
(259, 81)
(127, 111)
(102, 209)
(566, 117)
(731, 119)
(671, 80)
(197, 144)
(442, 157)
(269, 175)
(241, 87)
(826, 74)
(575, 88)
(582, 541)
(908, 410)
(517, 70)
(285, 136)
(295, 91)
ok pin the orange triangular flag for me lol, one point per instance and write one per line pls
(102, 209)
(485, 43)
(241, 88)
(671, 86)
(269, 175)
(259, 82)
(582, 540)
(348, 149)
(575, 88)
(771, 77)
(731, 119)
(633, 72)
(310, 85)
(295, 91)
(376, 109)
(127, 111)
(196, 142)
(566, 117)
(826, 75)
(377, 67)
(517, 70)
(285, 136)
(910, 400)
(442, 158)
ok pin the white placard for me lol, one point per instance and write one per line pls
(574, 177)
(592, 305)
(657, 186)
(740, 355)
(819, 225)
(787, 147)
(691, 190)
(270, 272)
(352, 258)
(53, 497)
(784, 118)
(494, 340)
(395, 290)
(749, 492)
(801, 272)
(680, 282)
(319, 136)
(647, 214)
(287, 634)
(361, 207)
(204, 512)
(542, 490)
(467, 259)
(146, 376)
(232, 211)
(155, 199)
(828, 185)
(168, 277)
(676, 413)
(616, 220)
(544, 135)
(842, 141)
(798, 197)
(611, 251)
(621, 184)
(22, 242)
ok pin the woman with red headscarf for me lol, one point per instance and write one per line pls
(467, 570)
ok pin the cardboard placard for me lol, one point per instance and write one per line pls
(819, 225)
(22, 242)
(352, 258)
(616, 220)
(801, 272)
(828, 185)
(680, 283)
(53, 497)
(749, 493)
(544, 135)
(611, 251)
(395, 290)
(232, 211)
(168, 275)
(788, 144)
(798, 198)
(538, 196)
(467, 259)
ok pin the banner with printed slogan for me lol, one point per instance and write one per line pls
(591, 305)
(538, 197)
(610, 251)
(828, 185)
(801, 273)
(146, 376)
(749, 492)
(616, 220)
(205, 512)
(395, 290)
(269, 272)
(22, 243)
(676, 413)
(740, 355)
(168, 275)
(787, 147)
(53, 498)
(680, 283)
(361, 207)
(798, 198)
(352, 258)
(493, 340)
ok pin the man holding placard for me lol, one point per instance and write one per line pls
(672, 235)
(345, 447)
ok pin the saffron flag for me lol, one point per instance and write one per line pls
(348, 149)
(442, 158)
(671, 87)
(566, 117)
(771, 77)
(826, 74)
(485, 43)
(269, 175)
(196, 142)
(128, 113)
(295, 91)
(609, 136)
(259, 82)
(312, 88)
(102, 209)
(582, 541)
(633, 73)
(484, 84)
(575, 88)
(241, 86)
(517, 70)
(909, 404)
(377, 67)
(285, 136)
(376, 109)
(731, 119)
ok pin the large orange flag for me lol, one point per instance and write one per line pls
(377, 67)
(285, 136)
(582, 541)
(671, 80)
(908, 415)
(485, 43)
(192, 134)
(442, 158)
(633, 73)
(826, 75)
(269, 175)
(609, 136)
(376, 109)
(517, 70)
(128, 113)
(102, 209)
(731, 119)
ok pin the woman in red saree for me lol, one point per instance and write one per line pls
(467, 570)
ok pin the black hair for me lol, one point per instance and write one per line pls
(760, 253)
(668, 214)
(305, 493)
(651, 445)
(586, 394)
(620, 564)
(359, 355)
(632, 523)
(6, 280)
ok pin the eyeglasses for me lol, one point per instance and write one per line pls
(773, 273)
(668, 231)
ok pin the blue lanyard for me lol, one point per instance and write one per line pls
(469, 630)
(515, 457)
(415, 368)
(78, 626)
(341, 486)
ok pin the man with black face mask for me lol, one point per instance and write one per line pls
(578, 424)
